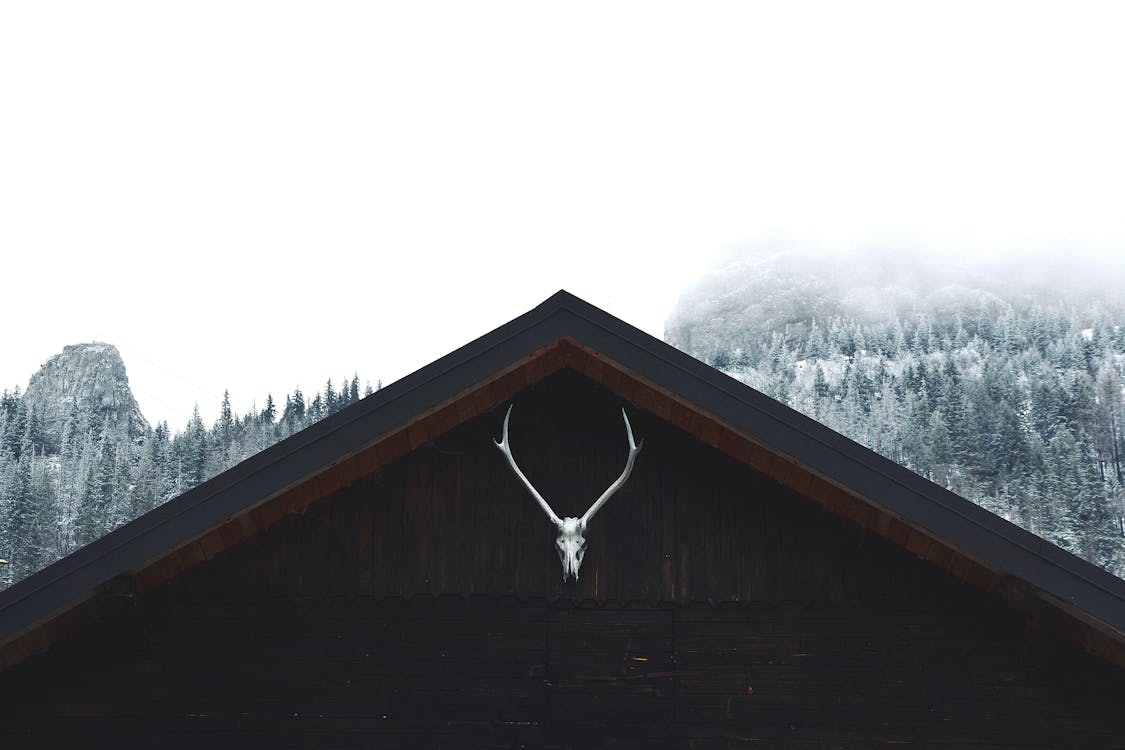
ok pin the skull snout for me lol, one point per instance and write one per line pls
(571, 546)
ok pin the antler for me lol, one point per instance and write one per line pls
(502, 444)
(634, 449)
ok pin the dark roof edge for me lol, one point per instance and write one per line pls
(76, 576)
(998, 544)
(934, 509)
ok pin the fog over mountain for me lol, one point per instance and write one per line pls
(1000, 378)
(781, 281)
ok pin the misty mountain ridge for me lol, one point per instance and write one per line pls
(999, 380)
(765, 291)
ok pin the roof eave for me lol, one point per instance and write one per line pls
(482, 373)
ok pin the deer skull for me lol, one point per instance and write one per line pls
(571, 546)
(571, 543)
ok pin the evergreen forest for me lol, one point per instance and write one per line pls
(58, 494)
(1006, 388)
(1006, 393)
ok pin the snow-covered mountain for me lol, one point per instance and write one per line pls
(1001, 381)
(88, 384)
(77, 458)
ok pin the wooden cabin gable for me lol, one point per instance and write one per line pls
(424, 605)
(450, 518)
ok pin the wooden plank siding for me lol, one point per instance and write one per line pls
(422, 605)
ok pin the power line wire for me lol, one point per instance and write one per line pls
(157, 365)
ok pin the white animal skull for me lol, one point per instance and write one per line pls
(571, 544)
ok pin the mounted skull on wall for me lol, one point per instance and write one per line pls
(571, 543)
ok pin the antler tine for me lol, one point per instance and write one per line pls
(634, 449)
(502, 444)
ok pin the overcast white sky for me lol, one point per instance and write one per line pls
(259, 195)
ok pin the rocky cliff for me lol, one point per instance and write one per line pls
(92, 376)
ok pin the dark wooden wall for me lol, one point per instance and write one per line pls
(690, 525)
(424, 607)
